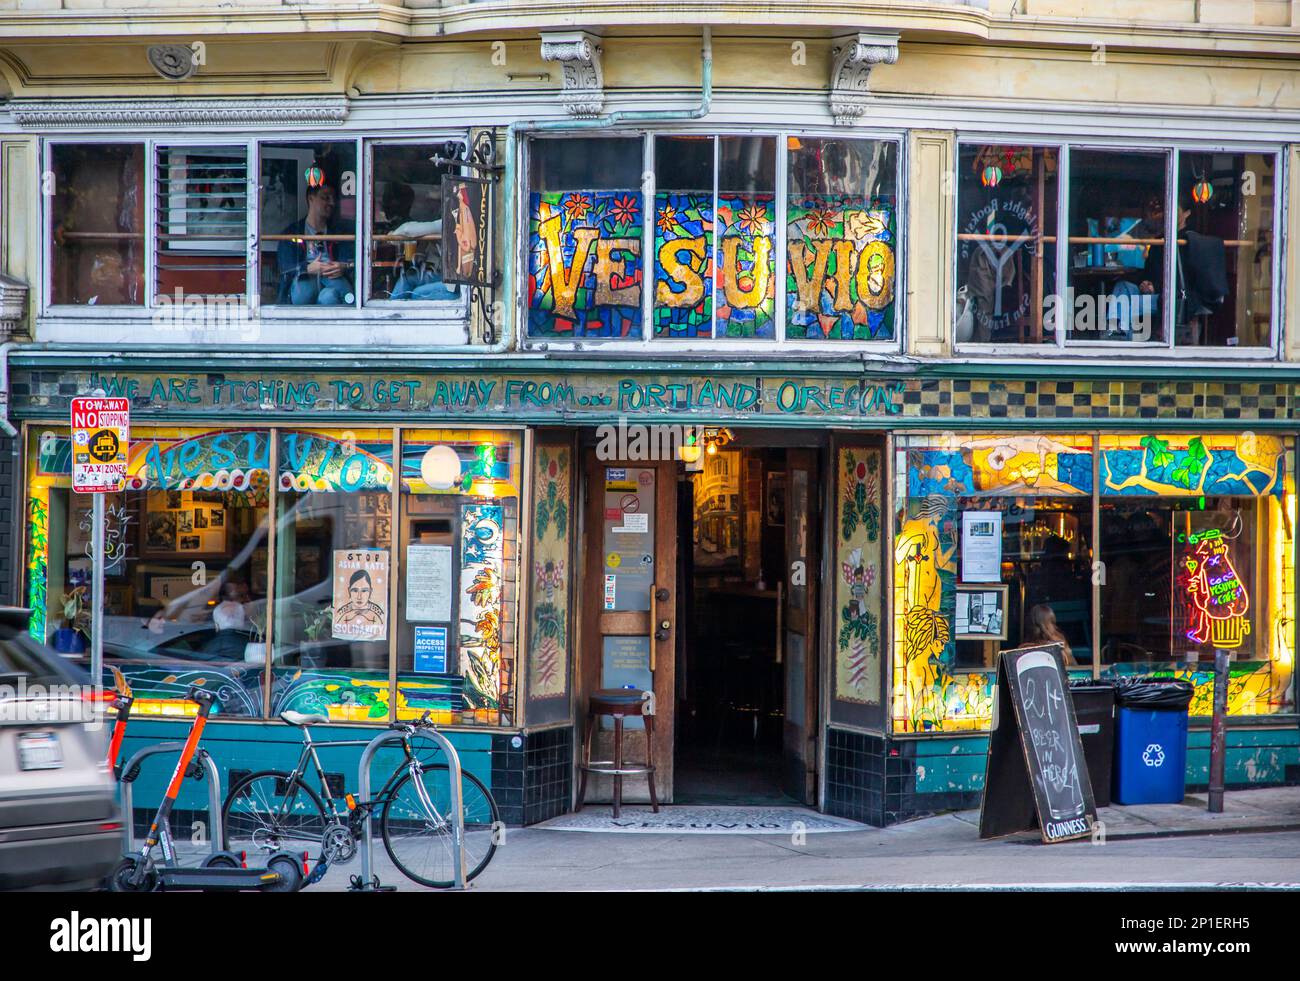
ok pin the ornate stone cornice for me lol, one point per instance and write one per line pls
(578, 53)
(144, 113)
(854, 59)
(13, 306)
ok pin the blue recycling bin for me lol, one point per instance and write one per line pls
(1150, 741)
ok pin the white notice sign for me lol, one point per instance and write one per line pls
(633, 524)
(981, 546)
(428, 583)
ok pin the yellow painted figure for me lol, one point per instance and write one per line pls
(918, 557)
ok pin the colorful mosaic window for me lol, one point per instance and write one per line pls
(712, 242)
(1194, 552)
(211, 565)
(841, 239)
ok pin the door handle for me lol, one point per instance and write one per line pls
(658, 628)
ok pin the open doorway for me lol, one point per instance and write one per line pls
(708, 586)
(746, 681)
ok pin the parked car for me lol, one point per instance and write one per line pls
(59, 820)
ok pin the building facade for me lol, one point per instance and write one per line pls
(787, 369)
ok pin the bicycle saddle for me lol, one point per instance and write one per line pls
(302, 719)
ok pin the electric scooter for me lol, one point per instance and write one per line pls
(123, 699)
(220, 871)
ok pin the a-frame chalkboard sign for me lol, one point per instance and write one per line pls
(1035, 775)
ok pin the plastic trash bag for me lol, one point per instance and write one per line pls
(1153, 693)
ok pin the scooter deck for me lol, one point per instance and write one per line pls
(218, 879)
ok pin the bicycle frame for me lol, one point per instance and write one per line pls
(309, 754)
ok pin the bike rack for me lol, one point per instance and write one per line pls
(215, 835)
(368, 882)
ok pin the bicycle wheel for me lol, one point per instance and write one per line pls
(420, 844)
(267, 812)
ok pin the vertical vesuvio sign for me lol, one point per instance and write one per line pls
(466, 231)
(1043, 781)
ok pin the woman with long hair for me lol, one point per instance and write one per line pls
(1042, 629)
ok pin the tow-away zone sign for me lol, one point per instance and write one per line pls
(101, 430)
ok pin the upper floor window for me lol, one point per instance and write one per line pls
(1123, 284)
(303, 199)
(691, 251)
(97, 224)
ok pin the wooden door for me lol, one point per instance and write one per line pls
(628, 596)
(799, 639)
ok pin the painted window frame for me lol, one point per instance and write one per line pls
(900, 442)
(274, 323)
(779, 343)
(514, 595)
(1135, 349)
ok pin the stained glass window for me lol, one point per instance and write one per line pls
(841, 239)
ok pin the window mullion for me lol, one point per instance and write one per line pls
(779, 233)
(1170, 313)
(151, 223)
(716, 262)
(648, 192)
(1063, 196)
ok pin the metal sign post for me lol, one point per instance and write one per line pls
(97, 592)
(101, 431)
(1218, 733)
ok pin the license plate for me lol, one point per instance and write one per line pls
(39, 751)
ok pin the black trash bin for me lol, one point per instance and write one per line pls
(1094, 711)
(1151, 740)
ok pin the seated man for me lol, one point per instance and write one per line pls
(231, 638)
(313, 270)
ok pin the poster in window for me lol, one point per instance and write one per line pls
(466, 217)
(982, 612)
(360, 594)
(428, 583)
(981, 546)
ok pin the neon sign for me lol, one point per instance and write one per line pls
(1215, 592)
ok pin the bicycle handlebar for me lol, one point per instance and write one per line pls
(423, 722)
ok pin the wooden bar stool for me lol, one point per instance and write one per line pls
(619, 703)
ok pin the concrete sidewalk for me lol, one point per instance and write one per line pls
(1149, 847)
(1266, 809)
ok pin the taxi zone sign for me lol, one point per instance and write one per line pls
(100, 432)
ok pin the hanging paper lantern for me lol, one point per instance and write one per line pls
(992, 176)
(315, 176)
(1202, 191)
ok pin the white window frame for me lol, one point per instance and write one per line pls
(1133, 350)
(779, 343)
(365, 216)
(438, 322)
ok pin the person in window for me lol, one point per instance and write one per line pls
(231, 638)
(314, 270)
(420, 260)
(1042, 629)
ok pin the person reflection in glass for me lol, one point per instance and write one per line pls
(359, 611)
(315, 270)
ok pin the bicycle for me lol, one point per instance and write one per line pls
(272, 811)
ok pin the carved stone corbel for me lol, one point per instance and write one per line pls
(854, 57)
(13, 308)
(578, 53)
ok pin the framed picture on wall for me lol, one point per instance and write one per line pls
(982, 612)
(775, 502)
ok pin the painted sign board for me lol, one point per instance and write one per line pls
(101, 434)
(1035, 773)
